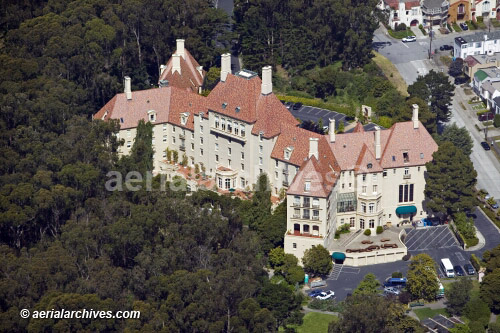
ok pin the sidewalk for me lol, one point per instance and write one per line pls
(480, 244)
(418, 33)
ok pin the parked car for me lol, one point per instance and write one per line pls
(288, 105)
(297, 106)
(392, 290)
(464, 26)
(486, 146)
(461, 79)
(458, 270)
(446, 47)
(469, 269)
(486, 116)
(409, 39)
(494, 206)
(326, 295)
(315, 293)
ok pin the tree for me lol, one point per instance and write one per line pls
(317, 260)
(492, 259)
(422, 277)
(460, 328)
(459, 136)
(362, 313)
(450, 181)
(458, 295)
(496, 120)
(456, 67)
(280, 300)
(465, 225)
(477, 311)
(369, 285)
(490, 289)
(426, 117)
(434, 88)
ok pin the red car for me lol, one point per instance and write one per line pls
(486, 116)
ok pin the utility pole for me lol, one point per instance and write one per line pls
(430, 33)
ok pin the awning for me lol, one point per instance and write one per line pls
(338, 256)
(406, 210)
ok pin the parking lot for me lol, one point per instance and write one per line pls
(315, 114)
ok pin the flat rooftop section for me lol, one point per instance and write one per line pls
(485, 59)
(391, 235)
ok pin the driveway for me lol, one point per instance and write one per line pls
(315, 114)
(489, 231)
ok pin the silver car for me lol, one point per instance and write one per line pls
(392, 290)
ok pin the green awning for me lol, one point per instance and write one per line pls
(338, 256)
(406, 210)
(480, 75)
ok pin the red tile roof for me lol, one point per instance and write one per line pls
(321, 181)
(167, 102)
(410, 4)
(189, 79)
(297, 139)
(358, 128)
(471, 61)
(266, 112)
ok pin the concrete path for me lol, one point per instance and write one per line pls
(307, 310)
(480, 244)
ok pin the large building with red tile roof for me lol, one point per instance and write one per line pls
(402, 11)
(364, 179)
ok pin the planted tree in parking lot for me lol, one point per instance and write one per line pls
(369, 285)
(436, 89)
(422, 277)
(450, 181)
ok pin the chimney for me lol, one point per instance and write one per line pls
(313, 147)
(331, 130)
(162, 69)
(377, 142)
(415, 116)
(176, 63)
(180, 48)
(225, 66)
(200, 70)
(267, 80)
(128, 89)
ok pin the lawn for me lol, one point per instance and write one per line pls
(391, 73)
(314, 322)
(429, 313)
(400, 34)
(456, 27)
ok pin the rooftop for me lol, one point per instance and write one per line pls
(478, 37)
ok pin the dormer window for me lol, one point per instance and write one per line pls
(307, 186)
(104, 116)
(184, 118)
(369, 165)
(393, 158)
(287, 152)
(421, 156)
(152, 116)
(224, 105)
(406, 157)
(216, 121)
(261, 135)
(237, 109)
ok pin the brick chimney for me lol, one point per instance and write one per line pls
(267, 80)
(180, 48)
(127, 87)
(225, 66)
(377, 143)
(176, 63)
(313, 147)
(331, 130)
(414, 118)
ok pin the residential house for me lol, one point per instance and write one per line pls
(434, 12)
(483, 8)
(477, 43)
(459, 11)
(482, 76)
(403, 11)
(472, 63)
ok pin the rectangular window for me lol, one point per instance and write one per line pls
(296, 200)
(307, 186)
(306, 215)
(394, 171)
(350, 185)
(216, 121)
(192, 135)
(307, 202)
(260, 161)
(229, 151)
(276, 174)
(406, 158)
(220, 182)
(201, 141)
(164, 127)
(372, 223)
(216, 147)
(229, 163)
(216, 158)
(406, 193)
(128, 133)
(236, 128)
(173, 129)
(227, 183)
(201, 152)
(374, 177)
(371, 207)
(223, 124)
(260, 149)
(374, 189)
(164, 138)
(361, 223)
(363, 189)
(201, 129)
(242, 128)
(315, 214)
(229, 126)
(401, 193)
(364, 177)
(315, 203)
(242, 155)
(343, 185)
(384, 174)
(363, 207)
(242, 166)
(173, 139)
(407, 171)
(242, 182)
(129, 144)
(411, 192)
(277, 163)
(352, 222)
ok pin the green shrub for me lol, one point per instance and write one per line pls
(470, 242)
(496, 121)
(400, 27)
(380, 229)
(475, 262)
(368, 232)
(478, 310)
(397, 275)
(494, 328)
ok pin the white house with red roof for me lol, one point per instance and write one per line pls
(241, 129)
(402, 11)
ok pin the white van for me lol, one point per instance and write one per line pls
(447, 268)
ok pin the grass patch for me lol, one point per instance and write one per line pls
(468, 91)
(391, 73)
(496, 24)
(456, 27)
(400, 34)
(315, 322)
(462, 105)
(481, 25)
(429, 313)
(446, 60)
(477, 127)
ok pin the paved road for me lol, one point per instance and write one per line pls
(489, 231)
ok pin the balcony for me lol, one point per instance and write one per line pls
(296, 216)
(408, 176)
(285, 171)
(285, 183)
(315, 218)
(182, 136)
(182, 148)
(315, 205)
(296, 204)
(306, 217)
